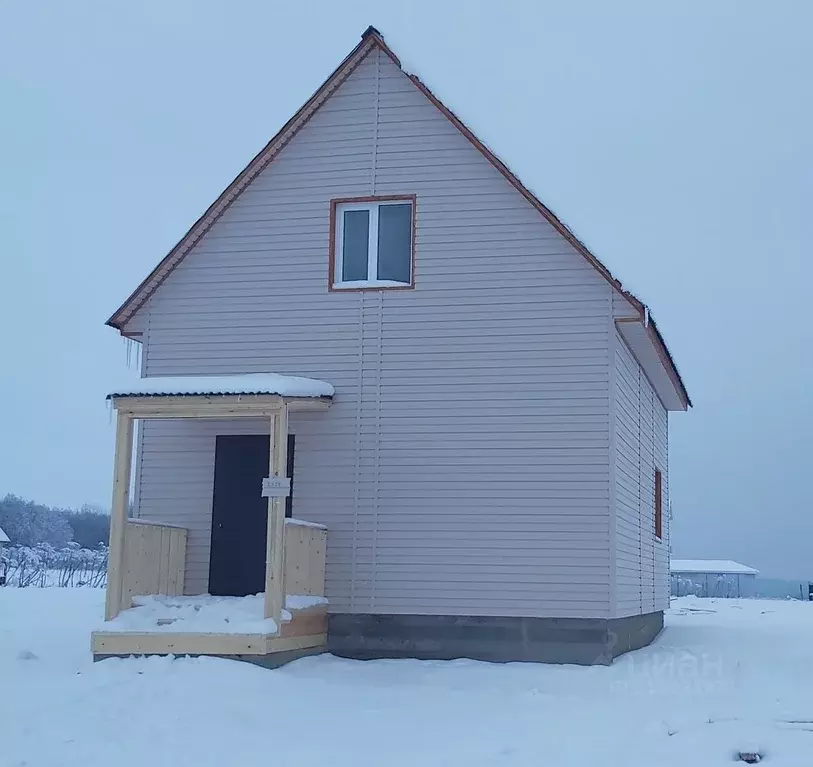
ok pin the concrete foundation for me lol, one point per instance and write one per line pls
(585, 641)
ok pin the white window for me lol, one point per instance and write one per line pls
(373, 244)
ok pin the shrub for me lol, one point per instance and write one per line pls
(45, 565)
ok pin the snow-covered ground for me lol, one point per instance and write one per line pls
(725, 675)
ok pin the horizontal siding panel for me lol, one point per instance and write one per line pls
(473, 578)
(519, 475)
(588, 460)
(496, 525)
(408, 328)
(574, 605)
(539, 407)
(519, 385)
(450, 558)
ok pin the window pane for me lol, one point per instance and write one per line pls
(394, 242)
(355, 245)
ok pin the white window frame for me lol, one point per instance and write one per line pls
(372, 245)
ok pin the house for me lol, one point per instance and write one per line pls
(4, 539)
(712, 578)
(379, 327)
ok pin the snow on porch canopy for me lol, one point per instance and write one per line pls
(252, 383)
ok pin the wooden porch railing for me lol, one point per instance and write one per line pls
(154, 560)
(305, 546)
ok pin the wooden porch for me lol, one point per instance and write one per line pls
(146, 611)
(155, 556)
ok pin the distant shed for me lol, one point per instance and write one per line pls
(3, 541)
(712, 578)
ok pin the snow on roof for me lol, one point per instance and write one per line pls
(3, 537)
(723, 566)
(252, 383)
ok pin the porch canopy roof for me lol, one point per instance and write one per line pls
(217, 396)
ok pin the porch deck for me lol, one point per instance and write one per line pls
(206, 625)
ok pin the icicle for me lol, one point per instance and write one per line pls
(133, 353)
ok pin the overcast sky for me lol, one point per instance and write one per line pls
(674, 138)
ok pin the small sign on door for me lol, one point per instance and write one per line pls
(276, 487)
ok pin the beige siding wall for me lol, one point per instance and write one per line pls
(464, 467)
(640, 446)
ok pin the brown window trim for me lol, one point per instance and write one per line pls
(334, 203)
(658, 504)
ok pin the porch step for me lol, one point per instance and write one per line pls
(306, 621)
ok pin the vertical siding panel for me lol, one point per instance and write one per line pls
(464, 467)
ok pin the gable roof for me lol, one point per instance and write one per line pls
(3, 537)
(370, 40)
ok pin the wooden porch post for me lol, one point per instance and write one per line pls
(116, 565)
(275, 556)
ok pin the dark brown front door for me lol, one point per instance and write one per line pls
(240, 514)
